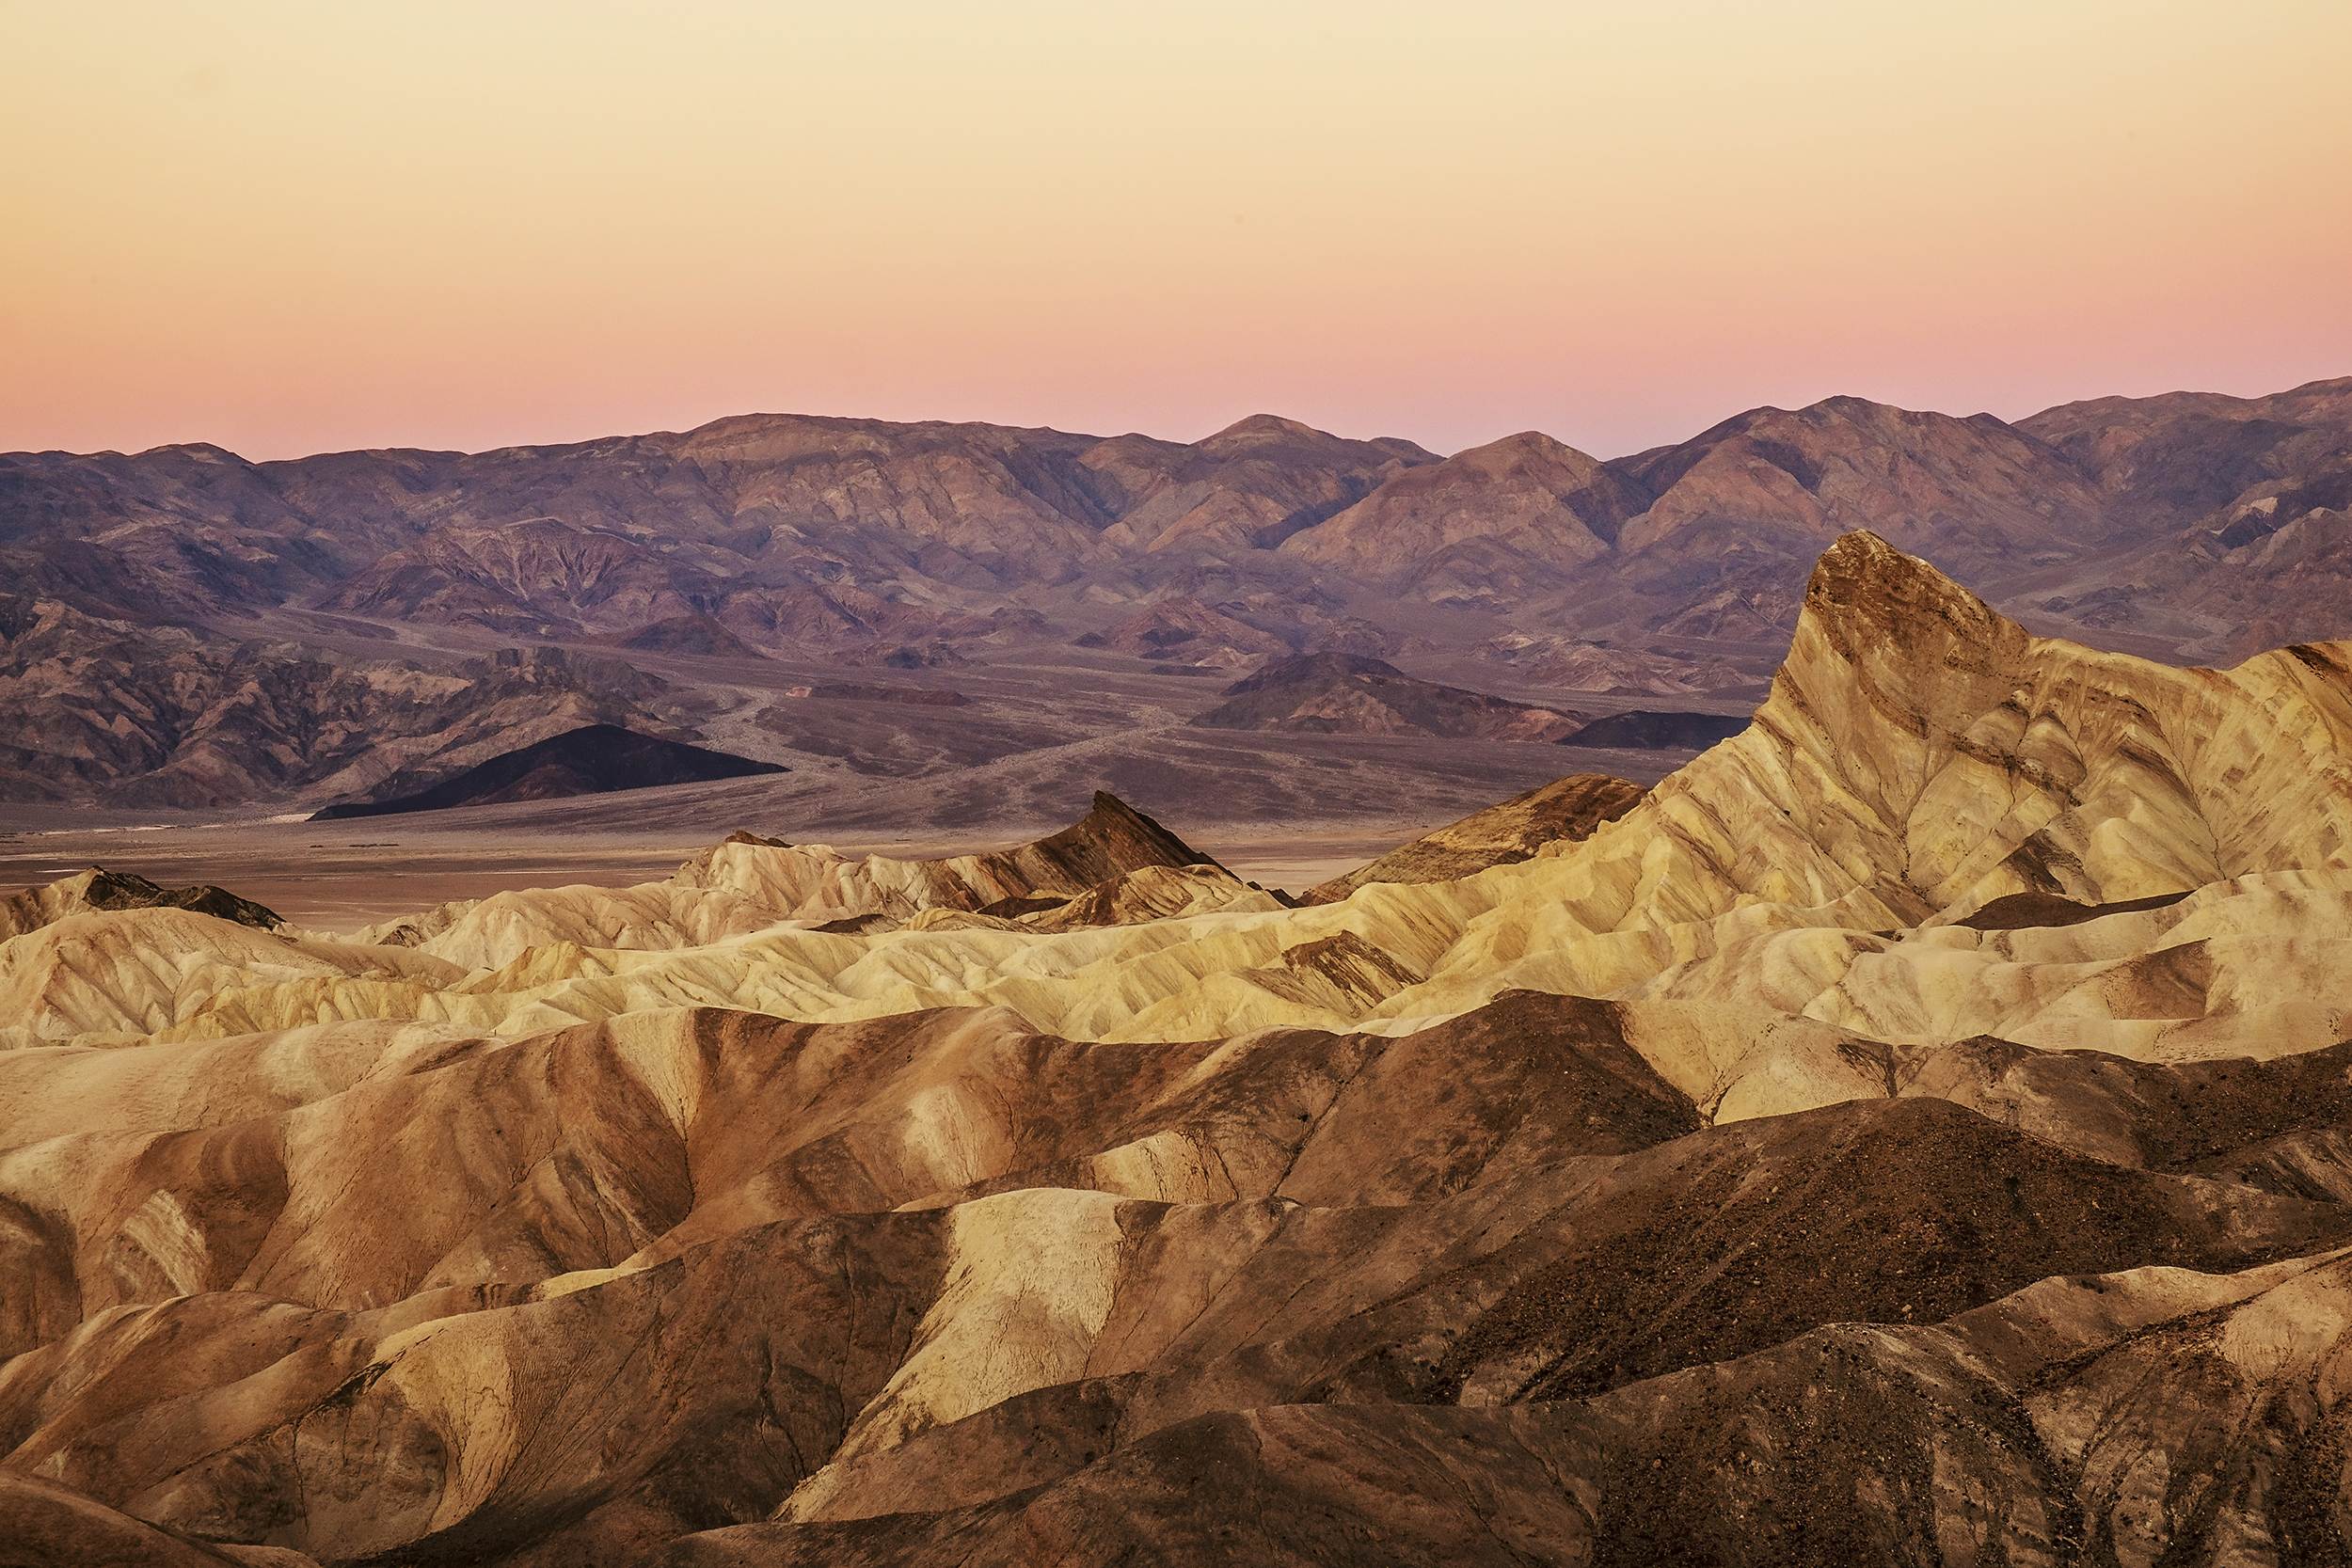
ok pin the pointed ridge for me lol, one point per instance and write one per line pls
(1261, 425)
(1865, 595)
(1110, 840)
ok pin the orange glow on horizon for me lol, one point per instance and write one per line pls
(286, 229)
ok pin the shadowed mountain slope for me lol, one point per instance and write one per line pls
(729, 1268)
(591, 761)
(695, 633)
(1641, 730)
(101, 888)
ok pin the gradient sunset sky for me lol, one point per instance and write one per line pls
(294, 228)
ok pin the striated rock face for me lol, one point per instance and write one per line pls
(1917, 1131)
(774, 1280)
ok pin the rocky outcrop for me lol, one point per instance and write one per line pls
(101, 888)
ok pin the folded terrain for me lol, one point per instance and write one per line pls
(1913, 1131)
(1918, 759)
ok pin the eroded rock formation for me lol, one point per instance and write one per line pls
(1914, 1132)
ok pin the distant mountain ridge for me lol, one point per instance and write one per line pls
(622, 532)
(2189, 527)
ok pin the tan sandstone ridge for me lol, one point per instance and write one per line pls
(1915, 1131)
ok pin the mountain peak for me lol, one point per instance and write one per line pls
(1269, 432)
(1269, 424)
(1892, 632)
(1865, 595)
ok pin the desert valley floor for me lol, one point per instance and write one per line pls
(1917, 1129)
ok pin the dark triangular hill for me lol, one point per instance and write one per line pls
(596, 760)
(1109, 840)
(1644, 731)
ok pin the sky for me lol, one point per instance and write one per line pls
(293, 227)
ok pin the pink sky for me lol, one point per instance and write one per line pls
(294, 228)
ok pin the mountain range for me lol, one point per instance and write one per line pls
(185, 626)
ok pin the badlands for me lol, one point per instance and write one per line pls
(1916, 1130)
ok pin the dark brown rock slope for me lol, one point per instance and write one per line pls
(1645, 730)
